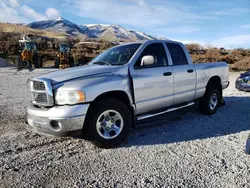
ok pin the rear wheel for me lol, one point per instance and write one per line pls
(108, 123)
(36, 63)
(209, 102)
(57, 63)
(71, 61)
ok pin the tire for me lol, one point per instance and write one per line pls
(36, 62)
(57, 63)
(25, 64)
(205, 104)
(41, 64)
(71, 61)
(95, 130)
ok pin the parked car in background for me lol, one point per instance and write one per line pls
(124, 84)
(243, 82)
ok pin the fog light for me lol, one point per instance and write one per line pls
(55, 125)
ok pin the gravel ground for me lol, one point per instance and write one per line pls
(178, 149)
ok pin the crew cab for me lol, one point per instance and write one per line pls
(124, 84)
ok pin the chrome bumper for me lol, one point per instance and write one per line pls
(58, 120)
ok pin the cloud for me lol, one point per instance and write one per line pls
(14, 11)
(246, 26)
(52, 13)
(228, 42)
(135, 13)
(227, 12)
(10, 14)
(31, 13)
(14, 3)
(235, 41)
(182, 29)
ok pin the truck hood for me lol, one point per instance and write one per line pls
(79, 72)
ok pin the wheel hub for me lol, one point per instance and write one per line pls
(213, 101)
(109, 124)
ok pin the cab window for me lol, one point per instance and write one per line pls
(156, 50)
(177, 54)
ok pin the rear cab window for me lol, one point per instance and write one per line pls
(177, 54)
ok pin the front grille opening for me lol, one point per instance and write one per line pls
(40, 97)
(38, 86)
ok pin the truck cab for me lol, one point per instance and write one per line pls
(64, 57)
(29, 54)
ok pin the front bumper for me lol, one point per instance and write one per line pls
(242, 86)
(58, 120)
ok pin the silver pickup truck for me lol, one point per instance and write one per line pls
(126, 83)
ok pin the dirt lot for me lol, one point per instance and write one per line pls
(179, 149)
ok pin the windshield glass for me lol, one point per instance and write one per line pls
(29, 46)
(64, 48)
(119, 55)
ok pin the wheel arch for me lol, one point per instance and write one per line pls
(215, 81)
(119, 95)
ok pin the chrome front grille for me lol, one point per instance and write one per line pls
(38, 86)
(42, 94)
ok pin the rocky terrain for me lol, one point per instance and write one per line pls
(178, 149)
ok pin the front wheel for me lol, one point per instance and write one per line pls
(108, 123)
(209, 102)
(25, 64)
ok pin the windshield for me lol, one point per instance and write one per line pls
(64, 48)
(29, 46)
(119, 55)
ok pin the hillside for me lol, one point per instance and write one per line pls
(21, 29)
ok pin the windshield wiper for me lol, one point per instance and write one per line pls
(102, 63)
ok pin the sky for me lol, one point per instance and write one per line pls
(224, 23)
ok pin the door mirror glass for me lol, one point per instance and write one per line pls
(147, 60)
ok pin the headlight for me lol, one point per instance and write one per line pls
(69, 97)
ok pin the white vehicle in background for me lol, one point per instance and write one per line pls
(124, 84)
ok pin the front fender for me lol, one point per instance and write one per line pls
(96, 86)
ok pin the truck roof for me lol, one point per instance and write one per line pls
(149, 41)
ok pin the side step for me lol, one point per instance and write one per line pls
(163, 112)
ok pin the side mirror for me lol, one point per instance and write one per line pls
(147, 60)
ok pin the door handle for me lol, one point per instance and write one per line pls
(190, 70)
(167, 73)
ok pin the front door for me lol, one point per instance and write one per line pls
(153, 84)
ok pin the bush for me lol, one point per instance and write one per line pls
(238, 59)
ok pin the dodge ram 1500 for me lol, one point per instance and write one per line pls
(124, 84)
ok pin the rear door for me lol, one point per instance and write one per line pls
(184, 74)
(153, 84)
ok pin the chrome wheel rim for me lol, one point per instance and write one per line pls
(213, 101)
(109, 124)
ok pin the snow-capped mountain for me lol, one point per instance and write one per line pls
(143, 36)
(118, 32)
(112, 32)
(102, 31)
(60, 25)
